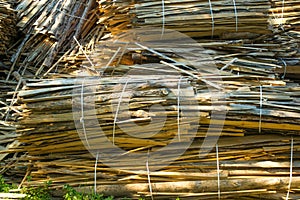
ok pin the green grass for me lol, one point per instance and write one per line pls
(37, 193)
(43, 192)
(72, 194)
(4, 187)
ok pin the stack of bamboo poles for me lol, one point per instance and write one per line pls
(204, 18)
(198, 19)
(252, 162)
(284, 14)
(271, 26)
(8, 136)
(256, 155)
(50, 28)
(8, 29)
(274, 55)
(195, 18)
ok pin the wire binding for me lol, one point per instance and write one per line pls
(291, 169)
(236, 16)
(285, 66)
(218, 172)
(111, 59)
(282, 10)
(260, 107)
(95, 174)
(117, 111)
(178, 109)
(163, 19)
(212, 19)
(82, 115)
(148, 175)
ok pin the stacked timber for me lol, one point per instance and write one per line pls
(8, 29)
